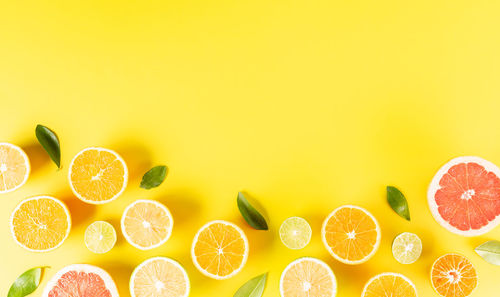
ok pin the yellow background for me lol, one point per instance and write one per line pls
(306, 105)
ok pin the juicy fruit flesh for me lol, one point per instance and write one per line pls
(453, 275)
(100, 237)
(79, 284)
(12, 168)
(40, 224)
(160, 278)
(295, 233)
(97, 175)
(220, 250)
(469, 196)
(407, 248)
(351, 234)
(308, 278)
(389, 285)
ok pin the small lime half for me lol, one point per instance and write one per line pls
(100, 237)
(406, 248)
(295, 233)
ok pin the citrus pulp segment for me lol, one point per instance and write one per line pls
(159, 277)
(14, 167)
(40, 223)
(351, 234)
(295, 233)
(97, 175)
(406, 248)
(147, 224)
(464, 196)
(307, 277)
(79, 280)
(220, 249)
(100, 237)
(453, 275)
(389, 284)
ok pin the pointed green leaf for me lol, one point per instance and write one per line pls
(253, 288)
(154, 177)
(50, 143)
(398, 202)
(490, 251)
(250, 214)
(26, 283)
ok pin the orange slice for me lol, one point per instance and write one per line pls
(220, 249)
(97, 175)
(147, 224)
(389, 284)
(453, 275)
(351, 234)
(14, 167)
(159, 277)
(307, 277)
(40, 224)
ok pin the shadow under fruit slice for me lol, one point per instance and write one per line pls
(14, 167)
(453, 275)
(40, 224)
(81, 280)
(389, 284)
(306, 277)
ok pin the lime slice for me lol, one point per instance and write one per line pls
(295, 233)
(100, 237)
(406, 248)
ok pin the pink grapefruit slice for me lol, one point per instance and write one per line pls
(464, 196)
(81, 280)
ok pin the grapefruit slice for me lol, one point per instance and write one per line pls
(307, 277)
(351, 234)
(159, 277)
(464, 196)
(453, 275)
(14, 167)
(81, 280)
(389, 284)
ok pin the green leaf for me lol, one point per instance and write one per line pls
(250, 214)
(26, 283)
(398, 202)
(490, 251)
(253, 288)
(154, 177)
(50, 143)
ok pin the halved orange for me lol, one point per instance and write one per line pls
(97, 175)
(220, 249)
(453, 275)
(40, 224)
(351, 234)
(14, 167)
(307, 277)
(389, 284)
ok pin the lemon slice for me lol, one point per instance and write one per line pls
(406, 248)
(100, 237)
(295, 233)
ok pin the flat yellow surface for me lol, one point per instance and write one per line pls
(305, 105)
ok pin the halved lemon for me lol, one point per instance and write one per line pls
(389, 284)
(220, 249)
(14, 167)
(307, 277)
(351, 234)
(406, 248)
(147, 224)
(40, 224)
(159, 277)
(295, 233)
(100, 237)
(97, 175)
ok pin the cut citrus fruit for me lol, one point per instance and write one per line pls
(464, 196)
(389, 284)
(100, 237)
(306, 277)
(295, 233)
(453, 275)
(406, 248)
(159, 277)
(40, 223)
(14, 167)
(97, 175)
(220, 249)
(147, 224)
(80, 280)
(351, 234)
